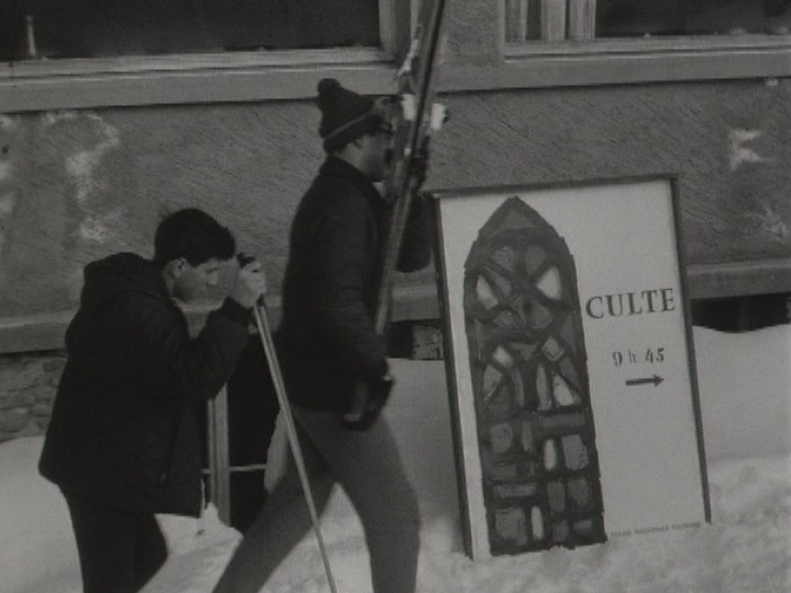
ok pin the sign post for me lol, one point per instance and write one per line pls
(571, 364)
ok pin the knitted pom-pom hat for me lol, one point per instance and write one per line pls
(345, 115)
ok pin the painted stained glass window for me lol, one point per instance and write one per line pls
(527, 355)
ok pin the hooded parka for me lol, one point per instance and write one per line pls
(124, 426)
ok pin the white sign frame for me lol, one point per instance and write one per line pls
(624, 236)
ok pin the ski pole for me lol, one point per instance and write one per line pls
(262, 321)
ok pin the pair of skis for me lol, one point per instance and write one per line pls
(416, 117)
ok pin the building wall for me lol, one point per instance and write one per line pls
(77, 185)
(80, 183)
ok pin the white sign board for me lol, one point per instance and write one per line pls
(571, 365)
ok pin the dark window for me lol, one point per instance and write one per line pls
(98, 28)
(559, 20)
(630, 18)
(744, 313)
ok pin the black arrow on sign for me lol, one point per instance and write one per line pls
(656, 380)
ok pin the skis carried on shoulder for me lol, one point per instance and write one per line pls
(415, 117)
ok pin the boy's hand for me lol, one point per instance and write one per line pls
(250, 283)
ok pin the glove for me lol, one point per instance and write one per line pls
(367, 402)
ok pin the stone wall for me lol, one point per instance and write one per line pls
(27, 389)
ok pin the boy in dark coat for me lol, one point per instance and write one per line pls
(123, 441)
(328, 349)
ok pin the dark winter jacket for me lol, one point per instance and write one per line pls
(338, 236)
(124, 428)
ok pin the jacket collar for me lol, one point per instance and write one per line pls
(336, 167)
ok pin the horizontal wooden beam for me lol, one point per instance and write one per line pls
(46, 332)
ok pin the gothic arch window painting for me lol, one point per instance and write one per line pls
(536, 435)
(570, 363)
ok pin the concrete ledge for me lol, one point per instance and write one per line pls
(739, 279)
(272, 76)
(420, 301)
(34, 334)
(37, 333)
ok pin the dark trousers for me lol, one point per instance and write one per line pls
(119, 550)
(368, 466)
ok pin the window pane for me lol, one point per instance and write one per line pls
(95, 28)
(630, 18)
(560, 20)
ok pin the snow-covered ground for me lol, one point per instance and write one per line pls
(745, 387)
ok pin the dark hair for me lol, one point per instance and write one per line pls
(194, 235)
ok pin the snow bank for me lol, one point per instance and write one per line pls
(745, 388)
(37, 550)
(745, 391)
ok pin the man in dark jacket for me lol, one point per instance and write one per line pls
(328, 349)
(123, 441)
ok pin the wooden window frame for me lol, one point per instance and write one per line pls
(652, 60)
(292, 75)
(40, 85)
(645, 60)
(180, 79)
